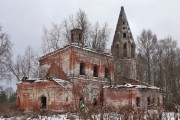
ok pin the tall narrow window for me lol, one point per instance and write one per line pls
(138, 101)
(124, 35)
(95, 72)
(117, 50)
(148, 101)
(132, 51)
(94, 102)
(158, 101)
(153, 101)
(106, 74)
(79, 37)
(82, 69)
(125, 50)
(72, 37)
(43, 102)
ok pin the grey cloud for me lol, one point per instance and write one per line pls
(24, 19)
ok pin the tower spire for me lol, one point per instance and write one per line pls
(123, 48)
(122, 33)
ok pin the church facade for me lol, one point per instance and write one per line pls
(75, 77)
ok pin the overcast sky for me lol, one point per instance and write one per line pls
(23, 20)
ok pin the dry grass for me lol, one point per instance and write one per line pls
(9, 110)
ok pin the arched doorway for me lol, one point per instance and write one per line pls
(94, 102)
(43, 102)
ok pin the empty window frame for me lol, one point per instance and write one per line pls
(148, 101)
(79, 37)
(125, 50)
(124, 35)
(132, 51)
(158, 101)
(138, 101)
(82, 69)
(153, 100)
(106, 73)
(94, 102)
(66, 99)
(124, 27)
(117, 50)
(72, 37)
(95, 71)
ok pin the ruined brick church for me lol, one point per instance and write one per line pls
(74, 77)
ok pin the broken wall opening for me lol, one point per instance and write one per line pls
(43, 102)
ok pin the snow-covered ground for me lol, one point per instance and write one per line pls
(111, 116)
(107, 116)
(54, 117)
(170, 116)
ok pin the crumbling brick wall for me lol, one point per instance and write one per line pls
(127, 97)
(58, 96)
(65, 63)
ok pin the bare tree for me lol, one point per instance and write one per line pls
(147, 43)
(100, 37)
(82, 22)
(26, 65)
(5, 55)
(60, 35)
(52, 38)
(169, 64)
(66, 31)
(163, 57)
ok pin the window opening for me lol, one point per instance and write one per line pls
(43, 102)
(82, 69)
(124, 35)
(106, 73)
(125, 50)
(158, 101)
(72, 37)
(132, 51)
(95, 72)
(79, 37)
(138, 101)
(148, 101)
(117, 50)
(153, 100)
(81, 104)
(94, 102)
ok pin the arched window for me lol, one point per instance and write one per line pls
(148, 101)
(81, 103)
(153, 100)
(117, 50)
(132, 51)
(72, 37)
(82, 69)
(80, 37)
(94, 102)
(106, 73)
(125, 50)
(43, 102)
(158, 101)
(95, 71)
(138, 101)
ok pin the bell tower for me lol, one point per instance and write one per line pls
(123, 49)
(76, 36)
